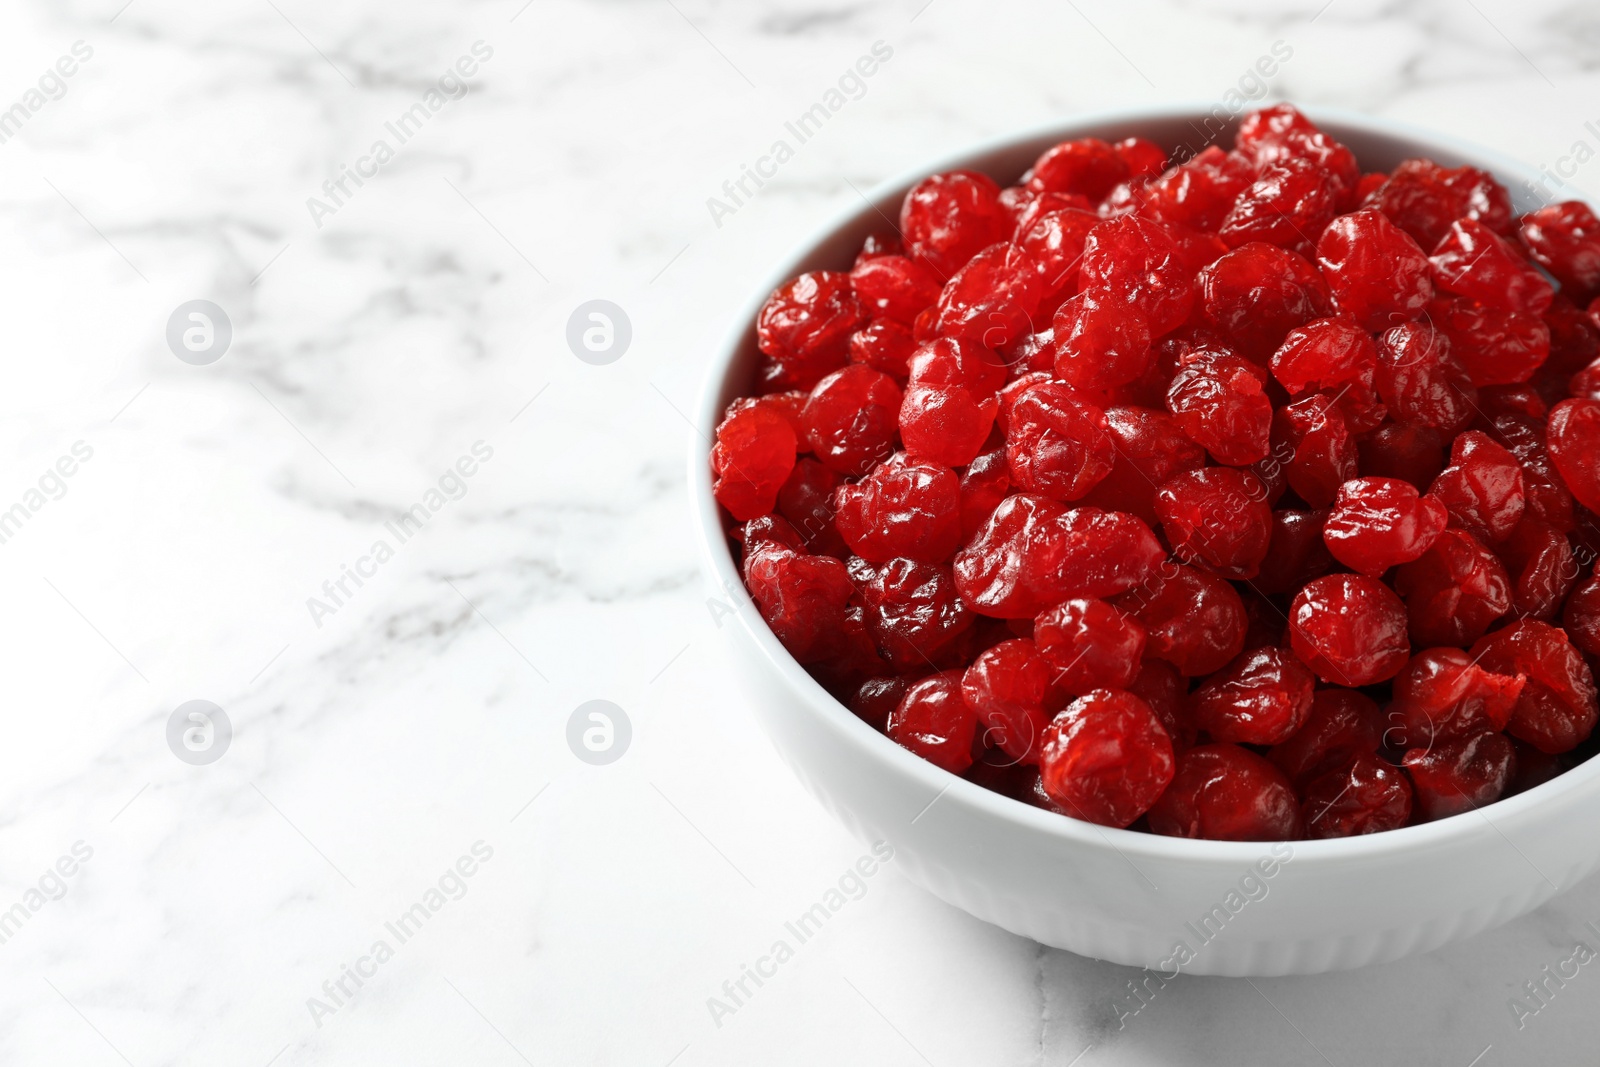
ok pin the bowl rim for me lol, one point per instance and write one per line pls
(945, 786)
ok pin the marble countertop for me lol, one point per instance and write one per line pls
(398, 532)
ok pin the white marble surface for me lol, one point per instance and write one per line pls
(426, 314)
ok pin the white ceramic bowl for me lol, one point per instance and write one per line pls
(1204, 907)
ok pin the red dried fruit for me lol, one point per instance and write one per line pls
(1341, 725)
(1574, 344)
(950, 403)
(895, 287)
(1223, 792)
(1564, 238)
(1034, 553)
(1100, 341)
(1482, 198)
(1220, 403)
(1106, 758)
(984, 483)
(1314, 433)
(851, 420)
(1035, 206)
(1585, 385)
(1218, 518)
(767, 530)
(1402, 450)
(1573, 437)
(914, 615)
(934, 721)
(947, 219)
(1192, 618)
(1522, 401)
(1198, 250)
(1424, 198)
(851, 656)
(1366, 797)
(1013, 390)
(874, 699)
(1378, 523)
(786, 405)
(1265, 624)
(1260, 698)
(805, 328)
(1200, 192)
(1581, 617)
(1454, 592)
(1056, 444)
(1052, 247)
(1546, 496)
(1140, 260)
(1442, 694)
(806, 500)
(1379, 275)
(1460, 775)
(1474, 262)
(1421, 381)
(1149, 449)
(1145, 159)
(801, 597)
(1159, 684)
(1295, 553)
(1482, 487)
(1257, 293)
(991, 300)
(1349, 629)
(1036, 354)
(752, 457)
(904, 507)
(1288, 205)
(1539, 559)
(1496, 347)
(1330, 356)
(1089, 645)
(1530, 767)
(1010, 688)
(1270, 124)
(1087, 166)
(1274, 469)
(876, 246)
(1557, 709)
(945, 363)
(1318, 149)
(1008, 547)
(884, 345)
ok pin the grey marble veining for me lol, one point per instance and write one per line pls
(226, 911)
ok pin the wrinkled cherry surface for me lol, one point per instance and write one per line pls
(1454, 592)
(935, 721)
(1222, 792)
(1106, 758)
(1378, 523)
(1459, 775)
(1556, 708)
(1341, 725)
(1011, 688)
(1218, 518)
(1350, 629)
(1443, 694)
(1368, 795)
(1089, 645)
(1261, 698)
(1249, 497)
